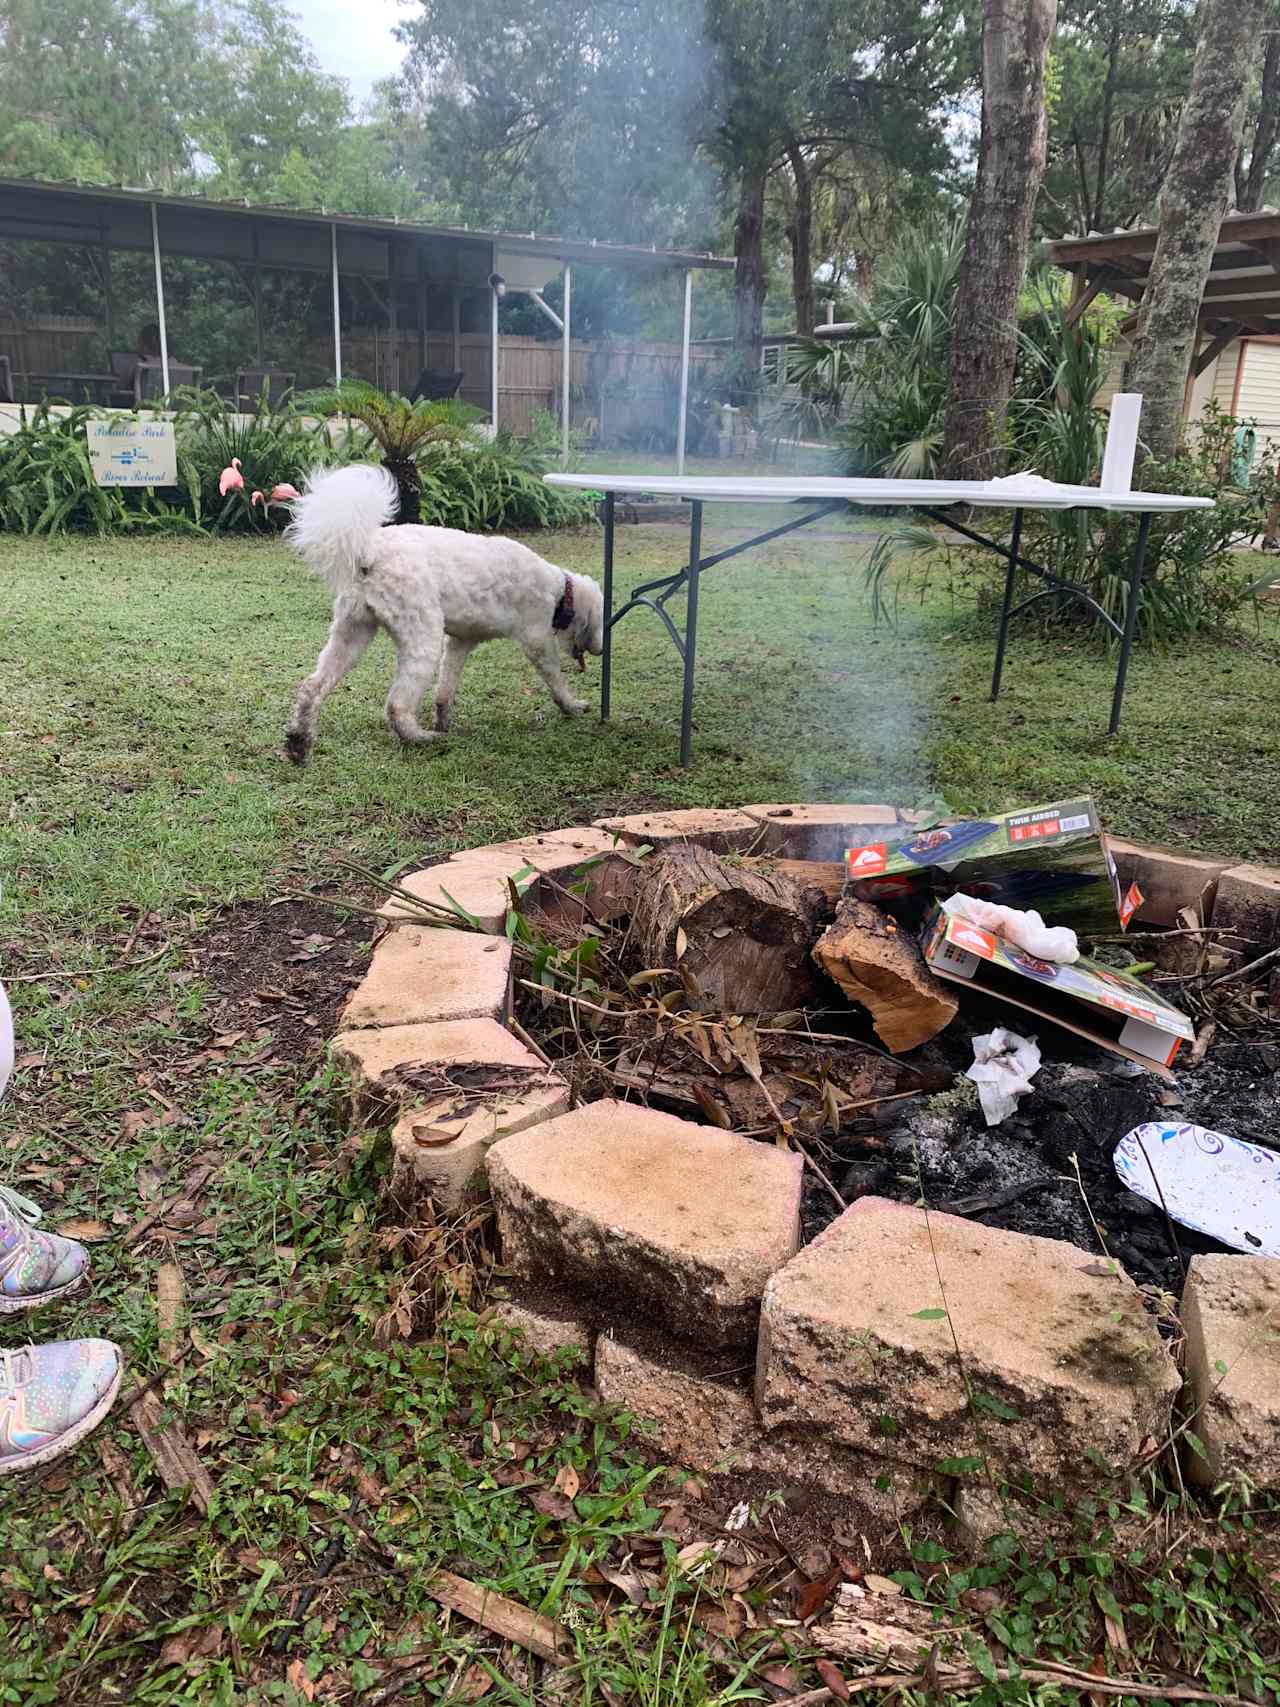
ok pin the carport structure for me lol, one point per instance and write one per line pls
(1241, 294)
(397, 262)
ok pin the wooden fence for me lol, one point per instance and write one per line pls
(619, 391)
(616, 388)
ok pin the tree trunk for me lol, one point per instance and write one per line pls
(801, 235)
(1011, 157)
(738, 939)
(1251, 184)
(750, 282)
(1193, 202)
(1104, 140)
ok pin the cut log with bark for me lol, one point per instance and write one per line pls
(827, 876)
(881, 968)
(737, 938)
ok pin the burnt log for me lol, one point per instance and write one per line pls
(738, 938)
(881, 968)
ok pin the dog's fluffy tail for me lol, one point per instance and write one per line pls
(336, 517)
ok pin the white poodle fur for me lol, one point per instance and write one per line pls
(438, 593)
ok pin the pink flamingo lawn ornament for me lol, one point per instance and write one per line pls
(231, 479)
(282, 493)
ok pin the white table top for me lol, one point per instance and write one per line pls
(1009, 494)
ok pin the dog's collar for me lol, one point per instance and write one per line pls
(562, 617)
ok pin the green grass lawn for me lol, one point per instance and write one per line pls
(148, 818)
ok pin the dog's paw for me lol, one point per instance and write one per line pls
(573, 707)
(297, 747)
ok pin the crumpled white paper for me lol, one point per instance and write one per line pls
(1026, 930)
(1026, 482)
(1003, 1064)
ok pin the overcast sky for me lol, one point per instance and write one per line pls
(353, 39)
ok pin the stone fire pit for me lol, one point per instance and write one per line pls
(899, 1359)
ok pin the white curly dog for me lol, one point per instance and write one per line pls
(438, 593)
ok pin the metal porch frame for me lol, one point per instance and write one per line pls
(653, 595)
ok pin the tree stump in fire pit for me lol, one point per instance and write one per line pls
(739, 939)
(879, 967)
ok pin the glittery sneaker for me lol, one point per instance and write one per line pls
(51, 1396)
(35, 1267)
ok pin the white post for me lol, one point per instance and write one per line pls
(564, 383)
(683, 422)
(831, 311)
(1122, 442)
(160, 315)
(337, 307)
(493, 356)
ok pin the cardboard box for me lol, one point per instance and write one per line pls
(1053, 858)
(1110, 1008)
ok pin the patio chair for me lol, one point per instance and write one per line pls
(251, 382)
(433, 387)
(148, 379)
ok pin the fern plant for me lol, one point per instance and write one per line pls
(400, 430)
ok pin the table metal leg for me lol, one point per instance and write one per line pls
(1130, 620)
(606, 661)
(691, 631)
(1010, 583)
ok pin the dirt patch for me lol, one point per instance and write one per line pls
(280, 972)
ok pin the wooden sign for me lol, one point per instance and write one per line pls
(132, 453)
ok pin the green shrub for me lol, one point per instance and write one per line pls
(497, 485)
(47, 484)
(1196, 578)
(400, 431)
(270, 444)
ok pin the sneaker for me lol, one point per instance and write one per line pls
(34, 1267)
(51, 1396)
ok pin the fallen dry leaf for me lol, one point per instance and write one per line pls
(698, 1554)
(633, 1584)
(811, 1597)
(297, 1676)
(204, 1643)
(833, 1677)
(781, 1677)
(551, 1504)
(88, 1232)
(880, 1585)
(568, 1481)
(369, 1489)
(475, 1682)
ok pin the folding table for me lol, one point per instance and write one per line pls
(1018, 493)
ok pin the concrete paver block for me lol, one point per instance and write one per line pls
(423, 976)
(858, 1340)
(477, 879)
(710, 1426)
(1231, 1317)
(650, 1218)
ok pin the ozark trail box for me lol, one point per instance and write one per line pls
(1053, 858)
(1108, 1007)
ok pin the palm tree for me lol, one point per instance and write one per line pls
(400, 429)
